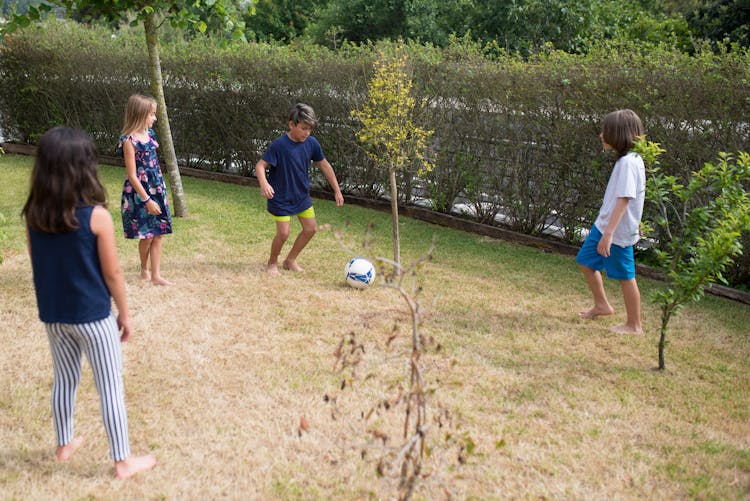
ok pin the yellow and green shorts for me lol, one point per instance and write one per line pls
(305, 214)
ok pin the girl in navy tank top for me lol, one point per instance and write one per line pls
(76, 275)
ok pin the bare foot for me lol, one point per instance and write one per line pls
(292, 265)
(594, 312)
(160, 281)
(132, 465)
(145, 274)
(273, 269)
(64, 452)
(626, 329)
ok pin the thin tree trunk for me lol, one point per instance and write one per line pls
(394, 216)
(179, 205)
(666, 314)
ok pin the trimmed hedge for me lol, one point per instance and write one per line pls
(516, 141)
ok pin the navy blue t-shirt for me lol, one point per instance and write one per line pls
(69, 285)
(289, 174)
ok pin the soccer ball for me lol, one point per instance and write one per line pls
(359, 272)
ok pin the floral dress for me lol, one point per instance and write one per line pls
(136, 221)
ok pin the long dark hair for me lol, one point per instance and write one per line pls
(64, 177)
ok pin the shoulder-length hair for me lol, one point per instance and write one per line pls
(620, 129)
(64, 177)
(136, 113)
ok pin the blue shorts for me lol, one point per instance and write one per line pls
(620, 265)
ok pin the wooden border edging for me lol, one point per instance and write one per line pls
(420, 214)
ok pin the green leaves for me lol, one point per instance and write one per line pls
(20, 21)
(195, 16)
(388, 116)
(699, 225)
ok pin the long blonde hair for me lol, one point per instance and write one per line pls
(136, 113)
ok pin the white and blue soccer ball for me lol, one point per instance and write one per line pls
(359, 272)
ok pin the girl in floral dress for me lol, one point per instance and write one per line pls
(145, 209)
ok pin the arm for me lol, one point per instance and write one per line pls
(128, 153)
(102, 227)
(327, 171)
(266, 190)
(619, 210)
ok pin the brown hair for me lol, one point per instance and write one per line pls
(136, 113)
(301, 112)
(64, 177)
(620, 129)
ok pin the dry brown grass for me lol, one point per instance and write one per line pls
(223, 365)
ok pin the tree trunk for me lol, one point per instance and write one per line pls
(394, 216)
(179, 205)
(666, 314)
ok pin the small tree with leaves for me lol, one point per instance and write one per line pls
(199, 15)
(698, 225)
(390, 129)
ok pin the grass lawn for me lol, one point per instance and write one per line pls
(223, 365)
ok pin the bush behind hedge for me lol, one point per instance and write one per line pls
(516, 141)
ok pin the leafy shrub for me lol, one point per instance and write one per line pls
(515, 140)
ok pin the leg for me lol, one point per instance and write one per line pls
(144, 249)
(155, 255)
(632, 297)
(101, 340)
(596, 285)
(282, 234)
(309, 227)
(590, 261)
(66, 361)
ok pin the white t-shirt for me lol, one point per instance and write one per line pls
(628, 180)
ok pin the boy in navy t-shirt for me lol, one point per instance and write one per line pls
(287, 186)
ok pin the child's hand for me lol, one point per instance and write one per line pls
(123, 324)
(266, 190)
(153, 208)
(339, 199)
(604, 245)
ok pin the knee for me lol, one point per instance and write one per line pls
(310, 230)
(282, 235)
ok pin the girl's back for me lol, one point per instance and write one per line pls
(69, 284)
(76, 274)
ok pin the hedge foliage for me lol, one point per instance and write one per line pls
(516, 141)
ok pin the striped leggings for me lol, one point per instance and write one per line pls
(100, 340)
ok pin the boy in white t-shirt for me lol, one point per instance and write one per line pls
(609, 245)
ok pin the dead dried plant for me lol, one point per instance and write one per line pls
(412, 394)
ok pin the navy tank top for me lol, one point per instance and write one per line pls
(68, 279)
